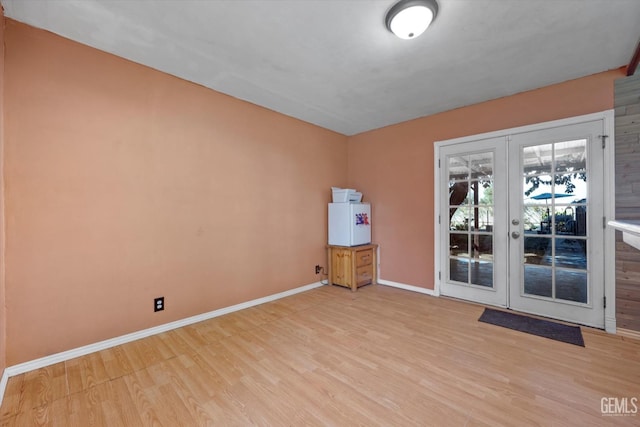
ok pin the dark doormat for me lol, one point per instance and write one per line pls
(530, 325)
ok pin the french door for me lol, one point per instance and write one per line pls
(473, 219)
(521, 222)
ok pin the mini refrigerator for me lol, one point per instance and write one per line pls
(349, 224)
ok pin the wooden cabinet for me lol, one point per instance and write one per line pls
(352, 266)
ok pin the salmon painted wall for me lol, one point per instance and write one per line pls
(393, 166)
(124, 184)
(3, 319)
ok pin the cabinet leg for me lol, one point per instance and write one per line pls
(374, 280)
(329, 262)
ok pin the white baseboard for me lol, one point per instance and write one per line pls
(411, 288)
(123, 339)
(3, 384)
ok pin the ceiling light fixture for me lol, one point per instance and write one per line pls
(408, 19)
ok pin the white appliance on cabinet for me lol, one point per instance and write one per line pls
(349, 224)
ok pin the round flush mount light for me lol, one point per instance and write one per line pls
(408, 19)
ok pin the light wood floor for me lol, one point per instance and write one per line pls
(379, 356)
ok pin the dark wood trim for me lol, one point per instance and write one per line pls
(631, 68)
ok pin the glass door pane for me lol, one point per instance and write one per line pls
(470, 207)
(554, 206)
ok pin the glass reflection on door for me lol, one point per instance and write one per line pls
(555, 204)
(471, 223)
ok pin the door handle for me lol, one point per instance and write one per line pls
(515, 234)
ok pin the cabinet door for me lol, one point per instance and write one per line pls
(341, 267)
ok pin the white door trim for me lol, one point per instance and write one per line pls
(610, 213)
(609, 197)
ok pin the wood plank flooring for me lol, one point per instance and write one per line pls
(377, 357)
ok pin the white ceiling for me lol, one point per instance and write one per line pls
(333, 63)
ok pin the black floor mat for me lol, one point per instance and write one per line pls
(530, 325)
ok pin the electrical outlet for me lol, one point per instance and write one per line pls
(318, 269)
(158, 304)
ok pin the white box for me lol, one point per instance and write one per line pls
(341, 195)
(355, 197)
(349, 224)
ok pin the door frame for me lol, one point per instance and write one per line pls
(607, 117)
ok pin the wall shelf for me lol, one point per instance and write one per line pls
(630, 231)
